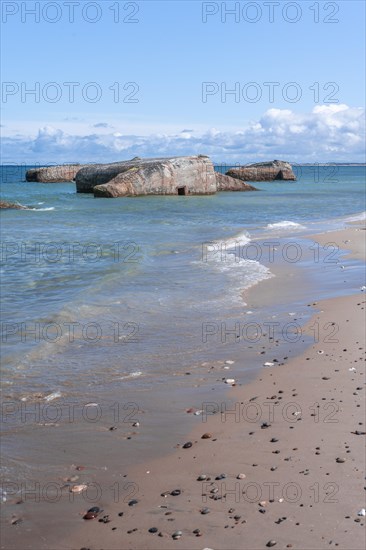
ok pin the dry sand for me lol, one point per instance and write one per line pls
(295, 493)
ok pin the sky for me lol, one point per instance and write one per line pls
(103, 81)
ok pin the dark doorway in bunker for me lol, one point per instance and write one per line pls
(183, 190)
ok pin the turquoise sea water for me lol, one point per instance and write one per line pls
(98, 290)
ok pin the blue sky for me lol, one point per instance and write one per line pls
(154, 78)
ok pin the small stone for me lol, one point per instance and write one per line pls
(230, 381)
(202, 477)
(175, 492)
(153, 530)
(340, 460)
(205, 511)
(78, 488)
(133, 502)
(177, 534)
(90, 515)
(112, 428)
(241, 476)
(187, 445)
(206, 435)
(271, 543)
(274, 440)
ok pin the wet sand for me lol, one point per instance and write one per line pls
(296, 432)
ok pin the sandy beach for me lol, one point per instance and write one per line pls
(279, 463)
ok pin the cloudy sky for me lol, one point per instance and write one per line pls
(240, 81)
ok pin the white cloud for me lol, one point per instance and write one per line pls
(327, 133)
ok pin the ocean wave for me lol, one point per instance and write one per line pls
(285, 224)
(356, 217)
(42, 209)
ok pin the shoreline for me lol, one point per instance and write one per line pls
(245, 450)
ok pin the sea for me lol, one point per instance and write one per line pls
(116, 296)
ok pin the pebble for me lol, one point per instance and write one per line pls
(133, 502)
(274, 440)
(221, 476)
(153, 530)
(206, 435)
(176, 492)
(340, 460)
(271, 543)
(230, 381)
(187, 445)
(202, 477)
(177, 534)
(92, 513)
(78, 488)
(241, 476)
(362, 512)
(205, 511)
(229, 362)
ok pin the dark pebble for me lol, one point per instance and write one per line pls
(94, 510)
(153, 530)
(187, 445)
(205, 511)
(176, 492)
(133, 502)
(271, 543)
(90, 515)
(274, 440)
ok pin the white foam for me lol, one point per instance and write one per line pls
(134, 374)
(356, 217)
(285, 224)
